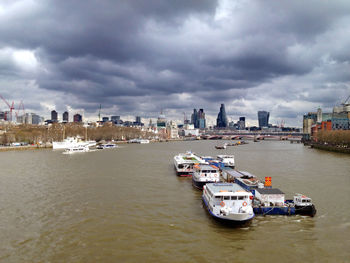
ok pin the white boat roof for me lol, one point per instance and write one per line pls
(206, 167)
(226, 189)
(247, 174)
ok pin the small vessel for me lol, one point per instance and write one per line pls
(107, 146)
(203, 174)
(303, 205)
(77, 149)
(184, 163)
(228, 203)
(141, 141)
(227, 160)
(221, 147)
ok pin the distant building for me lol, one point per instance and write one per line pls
(36, 119)
(77, 118)
(309, 120)
(263, 118)
(115, 118)
(54, 116)
(161, 121)
(241, 123)
(65, 116)
(221, 120)
(2, 115)
(198, 119)
(105, 119)
(172, 130)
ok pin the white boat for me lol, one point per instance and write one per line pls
(70, 142)
(184, 163)
(203, 174)
(228, 203)
(141, 141)
(227, 160)
(107, 146)
(77, 149)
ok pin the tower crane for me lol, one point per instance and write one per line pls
(346, 100)
(11, 107)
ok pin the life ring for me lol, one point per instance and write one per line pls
(244, 203)
(222, 203)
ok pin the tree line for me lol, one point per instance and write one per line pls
(335, 138)
(33, 134)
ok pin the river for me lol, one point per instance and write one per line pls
(128, 205)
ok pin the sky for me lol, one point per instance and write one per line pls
(142, 57)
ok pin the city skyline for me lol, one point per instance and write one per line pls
(72, 57)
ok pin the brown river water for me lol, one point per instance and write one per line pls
(128, 205)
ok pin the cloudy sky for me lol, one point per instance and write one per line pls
(140, 57)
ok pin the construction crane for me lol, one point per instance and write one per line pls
(11, 107)
(20, 107)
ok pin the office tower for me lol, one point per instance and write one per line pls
(263, 118)
(54, 116)
(221, 121)
(65, 116)
(77, 118)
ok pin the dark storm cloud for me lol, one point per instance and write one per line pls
(138, 57)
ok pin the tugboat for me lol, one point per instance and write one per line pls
(204, 174)
(228, 203)
(303, 205)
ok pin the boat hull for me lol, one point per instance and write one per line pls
(235, 220)
(199, 184)
(306, 210)
(274, 210)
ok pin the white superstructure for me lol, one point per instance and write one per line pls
(77, 149)
(228, 160)
(70, 142)
(228, 202)
(204, 173)
(184, 163)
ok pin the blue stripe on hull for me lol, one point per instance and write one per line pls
(287, 211)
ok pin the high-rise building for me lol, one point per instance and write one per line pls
(221, 120)
(54, 116)
(138, 119)
(241, 123)
(161, 121)
(36, 119)
(198, 119)
(263, 117)
(105, 119)
(65, 116)
(77, 118)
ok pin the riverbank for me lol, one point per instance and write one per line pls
(327, 147)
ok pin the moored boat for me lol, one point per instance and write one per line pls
(228, 203)
(77, 149)
(203, 174)
(184, 163)
(220, 147)
(227, 160)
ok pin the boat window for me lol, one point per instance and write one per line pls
(181, 166)
(233, 197)
(240, 197)
(213, 171)
(226, 198)
(218, 198)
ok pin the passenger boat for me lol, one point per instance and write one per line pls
(227, 160)
(184, 163)
(203, 174)
(77, 149)
(141, 141)
(70, 142)
(228, 203)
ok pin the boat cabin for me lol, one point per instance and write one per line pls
(302, 200)
(270, 196)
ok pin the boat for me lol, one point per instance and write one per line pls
(228, 203)
(106, 146)
(303, 205)
(141, 141)
(227, 160)
(77, 149)
(220, 147)
(70, 142)
(203, 174)
(184, 163)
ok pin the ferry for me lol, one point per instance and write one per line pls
(227, 160)
(203, 174)
(184, 163)
(228, 203)
(77, 149)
